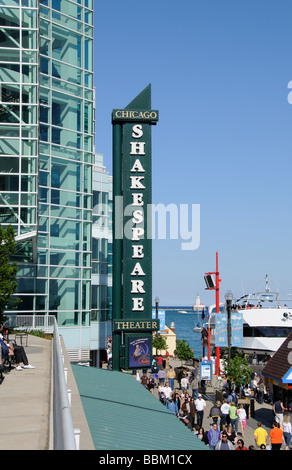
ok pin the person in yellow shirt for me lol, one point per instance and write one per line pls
(260, 435)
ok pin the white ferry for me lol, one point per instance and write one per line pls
(267, 321)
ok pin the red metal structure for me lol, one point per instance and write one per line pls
(210, 286)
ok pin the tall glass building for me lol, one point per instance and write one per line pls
(46, 153)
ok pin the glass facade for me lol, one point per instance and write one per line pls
(46, 152)
(101, 242)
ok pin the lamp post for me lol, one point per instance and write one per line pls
(156, 306)
(229, 298)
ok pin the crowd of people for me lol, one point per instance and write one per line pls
(181, 395)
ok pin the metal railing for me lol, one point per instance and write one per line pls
(45, 323)
(65, 437)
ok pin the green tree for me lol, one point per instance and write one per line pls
(159, 342)
(239, 370)
(183, 350)
(8, 270)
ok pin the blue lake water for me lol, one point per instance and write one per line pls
(184, 326)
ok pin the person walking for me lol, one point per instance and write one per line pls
(276, 436)
(202, 435)
(233, 417)
(260, 435)
(261, 392)
(184, 383)
(171, 376)
(188, 408)
(167, 392)
(200, 406)
(216, 413)
(278, 409)
(172, 406)
(287, 429)
(224, 443)
(155, 370)
(241, 418)
(225, 414)
(240, 445)
(161, 376)
(214, 436)
(159, 361)
(195, 387)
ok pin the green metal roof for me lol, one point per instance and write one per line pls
(123, 415)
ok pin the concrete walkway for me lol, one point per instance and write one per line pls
(26, 421)
(25, 401)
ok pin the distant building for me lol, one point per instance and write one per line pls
(102, 242)
(170, 337)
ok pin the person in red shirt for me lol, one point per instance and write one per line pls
(241, 445)
(276, 437)
(159, 361)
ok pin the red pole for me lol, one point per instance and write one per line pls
(217, 281)
(209, 339)
(217, 311)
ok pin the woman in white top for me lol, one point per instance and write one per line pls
(287, 429)
(242, 418)
(184, 383)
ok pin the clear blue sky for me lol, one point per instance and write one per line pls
(219, 72)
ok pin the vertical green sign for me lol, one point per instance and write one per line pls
(132, 237)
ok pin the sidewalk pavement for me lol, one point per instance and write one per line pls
(25, 401)
(26, 405)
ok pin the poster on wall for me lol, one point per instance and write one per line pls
(139, 352)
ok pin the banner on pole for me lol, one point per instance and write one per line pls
(236, 329)
(221, 324)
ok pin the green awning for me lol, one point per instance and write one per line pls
(123, 415)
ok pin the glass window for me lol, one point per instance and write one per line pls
(9, 113)
(66, 138)
(67, 46)
(9, 38)
(9, 164)
(64, 295)
(65, 234)
(66, 111)
(29, 18)
(65, 258)
(65, 175)
(9, 72)
(9, 147)
(67, 72)
(9, 16)
(9, 182)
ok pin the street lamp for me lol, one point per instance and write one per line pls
(229, 298)
(156, 306)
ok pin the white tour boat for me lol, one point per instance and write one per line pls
(267, 321)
